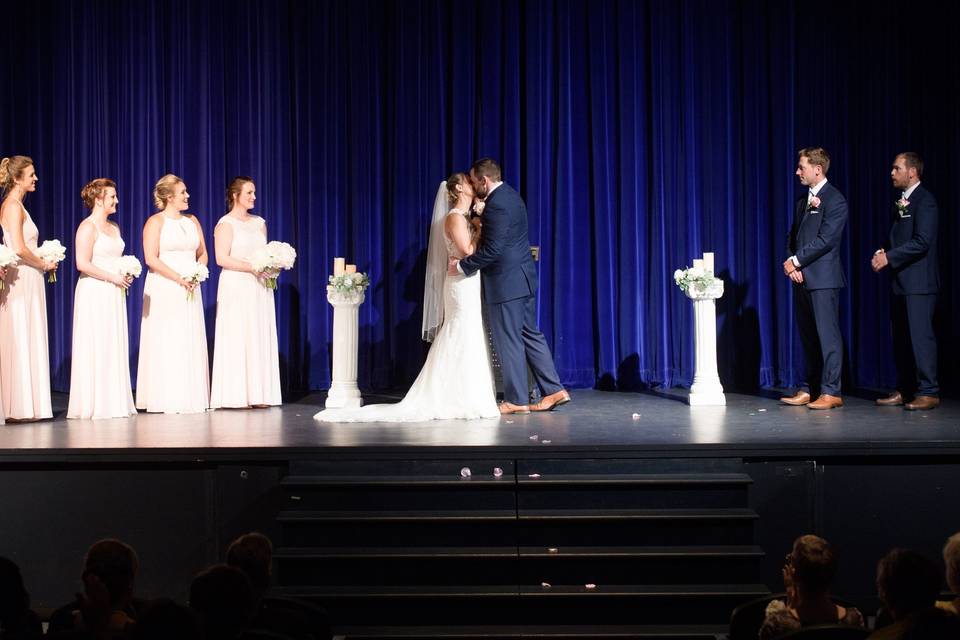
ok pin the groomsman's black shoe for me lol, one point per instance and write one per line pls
(923, 403)
(508, 408)
(552, 401)
(892, 400)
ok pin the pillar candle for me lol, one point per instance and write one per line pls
(338, 266)
(697, 262)
(351, 268)
(708, 262)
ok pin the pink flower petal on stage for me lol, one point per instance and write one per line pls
(534, 475)
(546, 441)
(635, 416)
(465, 472)
(497, 472)
(534, 437)
(590, 585)
(553, 550)
(509, 421)
(545, 585)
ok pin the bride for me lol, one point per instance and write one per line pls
(456, 380)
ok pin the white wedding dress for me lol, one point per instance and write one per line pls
(456, 380)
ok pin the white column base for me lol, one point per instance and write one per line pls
(344, 395)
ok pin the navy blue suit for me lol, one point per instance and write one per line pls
(509, 284)
(815, 241)
(912, 258)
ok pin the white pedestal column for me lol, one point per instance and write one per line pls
(706, 388)
(344, 391)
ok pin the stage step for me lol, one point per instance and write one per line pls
(396, 516)
(675, 552)
(546, 632)
(474, 480)
(636, 479)
(637, 514)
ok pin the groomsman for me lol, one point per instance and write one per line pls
(911, 254)
(817, 276)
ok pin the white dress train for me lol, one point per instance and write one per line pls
(456, 381)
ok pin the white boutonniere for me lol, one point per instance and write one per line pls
(478, 206)
(813, 204)
(903, 206)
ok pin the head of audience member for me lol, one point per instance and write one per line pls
(811, 565)
(932, 623)
(224, 598)
(951, 558)
(115, 565)
(907, 170)
(163, 619)
(252, 553)
(907, 581)
(812, 165)
(14, 599)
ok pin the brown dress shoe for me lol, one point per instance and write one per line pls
(826, 402)
(892, 400)
(923, 403)
(798, 399)
(508, 408)
(552, 401)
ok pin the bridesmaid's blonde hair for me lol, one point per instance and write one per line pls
(12, 169)
(164, 189)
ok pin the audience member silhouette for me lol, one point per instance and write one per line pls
(17, 621)
(907, 582)
(225, 600)
(951, 559)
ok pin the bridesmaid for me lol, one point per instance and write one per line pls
(24, 357)
(100, 374)
(172, 374)
(246, 364)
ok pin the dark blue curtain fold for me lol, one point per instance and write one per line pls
(641, 134)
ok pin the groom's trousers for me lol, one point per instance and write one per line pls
(519, 342)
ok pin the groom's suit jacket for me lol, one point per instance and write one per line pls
(912, 250)
(815, 239)
(507, 269)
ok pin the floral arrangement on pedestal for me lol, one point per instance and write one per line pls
(348, 283)
(694, 279)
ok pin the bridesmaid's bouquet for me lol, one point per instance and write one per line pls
(129, 266)
(195, 274)
(7, 259)
(267, 261)
(52, 251)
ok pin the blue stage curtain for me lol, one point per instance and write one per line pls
(640, 134)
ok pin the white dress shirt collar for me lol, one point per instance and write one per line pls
(815, 189)
(493, 188)
(910, 190)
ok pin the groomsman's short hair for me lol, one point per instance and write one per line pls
(816, 156)
(486, 167)
(912, 159)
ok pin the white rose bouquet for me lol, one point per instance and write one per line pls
(129, 266)
(52, 251)
(195, 274)
(268, 260)
(7, 259)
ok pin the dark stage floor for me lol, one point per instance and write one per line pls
(595, 421)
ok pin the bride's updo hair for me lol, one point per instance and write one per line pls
(452, 182)
(11, 169)
(164, 190)
(95, 189)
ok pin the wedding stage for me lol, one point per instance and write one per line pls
(631, 508)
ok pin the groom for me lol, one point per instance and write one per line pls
(509, 280)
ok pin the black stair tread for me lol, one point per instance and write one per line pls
(479, 477)
(647, 590)
(396, 516)
(637, 514)
(287, 553)
(638, 478)
(690, 551)
(391, 591)
(536, 631)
